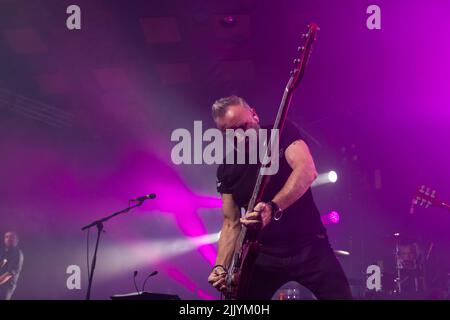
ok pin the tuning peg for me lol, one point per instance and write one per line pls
(296, 61)
(303, 35)
(300, 48)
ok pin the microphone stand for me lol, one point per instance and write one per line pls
(99, 225)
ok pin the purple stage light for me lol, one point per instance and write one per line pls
(180, 277)
(229, 21)
(334, 217)
(330, 218)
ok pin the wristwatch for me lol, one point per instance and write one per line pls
(277, 212)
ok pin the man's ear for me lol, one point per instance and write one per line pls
(254, 115)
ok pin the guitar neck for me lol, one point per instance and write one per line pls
(262, 179)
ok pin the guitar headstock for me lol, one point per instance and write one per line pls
(425, 197)
(304, 50)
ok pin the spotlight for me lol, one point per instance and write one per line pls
(332, 176)
(150, 252)
(334, 217)
(228, 21)
(324, 178)
(330, 218)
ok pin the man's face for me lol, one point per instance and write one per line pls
(238, 117)
(10, 239)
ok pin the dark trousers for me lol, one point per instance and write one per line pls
(315, 267)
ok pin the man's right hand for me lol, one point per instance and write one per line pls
(217, 279)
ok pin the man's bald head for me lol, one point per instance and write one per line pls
(11, 239)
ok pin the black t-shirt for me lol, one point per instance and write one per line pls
(12, 260)
(300, 222)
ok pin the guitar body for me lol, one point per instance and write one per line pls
(247, 246)
(242, 271)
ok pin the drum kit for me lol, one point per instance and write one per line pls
(407, 277)
(407, 272)
(403, 269)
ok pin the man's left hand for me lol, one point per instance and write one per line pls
(259, 217)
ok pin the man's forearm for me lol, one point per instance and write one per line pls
(296, 185)
(227, 241)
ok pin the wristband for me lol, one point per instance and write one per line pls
(219, 266)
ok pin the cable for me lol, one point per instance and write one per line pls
(87, 254)
(134, 280)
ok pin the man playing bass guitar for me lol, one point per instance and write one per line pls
(294, 244)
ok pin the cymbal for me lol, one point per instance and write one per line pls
(341, 253)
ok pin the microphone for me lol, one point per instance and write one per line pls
(134, 280)
(146, 197)
(154, 273)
